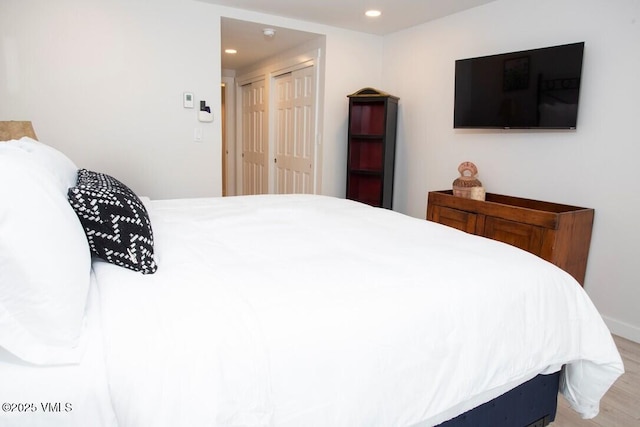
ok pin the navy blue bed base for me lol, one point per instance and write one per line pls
(532, 404)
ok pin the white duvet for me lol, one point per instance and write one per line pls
(290, 311)
(74, 395)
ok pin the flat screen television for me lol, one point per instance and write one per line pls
(530, 89)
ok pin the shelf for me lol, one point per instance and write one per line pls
(366, 172)
(371, 139)
(367, 118)
(365, 188)
(367, 136)
(366, 154)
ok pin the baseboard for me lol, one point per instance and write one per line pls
(623, 329)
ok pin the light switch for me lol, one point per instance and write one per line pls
(197, 134)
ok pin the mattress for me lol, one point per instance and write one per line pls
(309, 310)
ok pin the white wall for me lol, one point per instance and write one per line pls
(594, 166)
(103, 82)
(353, 62)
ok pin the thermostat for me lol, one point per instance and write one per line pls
(187, 100)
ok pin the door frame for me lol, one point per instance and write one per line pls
(228, 86)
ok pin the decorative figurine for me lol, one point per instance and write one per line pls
(467, 185)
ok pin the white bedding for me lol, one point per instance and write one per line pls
(290, 311)
(73, 395)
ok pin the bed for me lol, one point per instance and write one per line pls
(273, 310)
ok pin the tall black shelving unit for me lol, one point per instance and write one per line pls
(373, 117)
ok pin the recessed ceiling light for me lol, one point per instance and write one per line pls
(231, 51)
(373, 13)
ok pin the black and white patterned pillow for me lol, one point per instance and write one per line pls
(115, 221)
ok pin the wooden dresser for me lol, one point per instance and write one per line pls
(557, 233)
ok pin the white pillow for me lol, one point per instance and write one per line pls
(62, 168)
(45, 264)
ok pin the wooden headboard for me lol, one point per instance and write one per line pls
(16, 130)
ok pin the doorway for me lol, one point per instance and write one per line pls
(277, 111)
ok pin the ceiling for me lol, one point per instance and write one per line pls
(252, 46)
(397, 15)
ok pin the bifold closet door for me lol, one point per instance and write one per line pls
(255, 150)
(294, 132)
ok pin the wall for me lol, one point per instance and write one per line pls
(593, 166)
(353, 62)
(103, 82)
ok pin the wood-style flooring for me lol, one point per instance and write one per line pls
(620, 407)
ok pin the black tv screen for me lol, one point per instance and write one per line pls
(530, 89)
